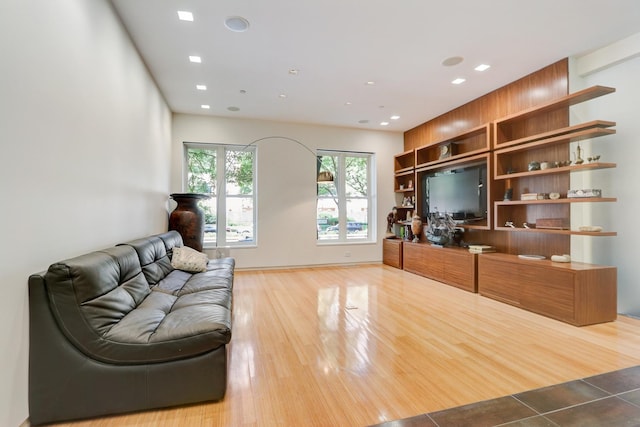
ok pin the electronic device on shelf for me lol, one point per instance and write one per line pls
(458, 192)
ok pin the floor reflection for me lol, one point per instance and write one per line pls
(344, 317)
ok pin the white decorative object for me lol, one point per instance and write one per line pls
(532, 257)
(590, 228)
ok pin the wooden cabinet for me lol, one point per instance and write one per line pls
(576, 293)
(392, 252)
(454, 266)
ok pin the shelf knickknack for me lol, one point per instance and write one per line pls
(188, 219)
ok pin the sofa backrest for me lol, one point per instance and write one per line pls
(155, 253)
(91, 293)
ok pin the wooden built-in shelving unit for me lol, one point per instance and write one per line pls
(513, 137)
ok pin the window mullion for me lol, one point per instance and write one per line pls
(221, 220)
(342, 198)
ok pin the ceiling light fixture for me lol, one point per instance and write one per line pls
(183, 15)
(196, 59)
(458, 81)
(294, 72)
(205, 106)
(283, 95)
(201, 87)
(234, 109)
(453, 60)
(482, 67)
(237, 24)
(370, 83)
(394, 117)
(384, 123)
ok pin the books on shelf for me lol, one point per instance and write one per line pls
(534, 196)
(481, 249)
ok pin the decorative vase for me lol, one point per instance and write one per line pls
(416, 228)
(188, 219)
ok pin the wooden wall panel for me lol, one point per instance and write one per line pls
(539, 87)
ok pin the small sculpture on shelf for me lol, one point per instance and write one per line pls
(579, 160)
(392, 218)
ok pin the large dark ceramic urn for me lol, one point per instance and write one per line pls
(188, 219)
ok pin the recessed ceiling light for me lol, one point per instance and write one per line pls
(195, 59)
(205, 106)
(453, 60)
(201, 87)
(370, 83)
(233, 109)
(348, 103)
(237, 24)
(183, 15)
(394, 117)
(294, 72)
(482, 67)
(363, 121)
(384, 123)
(458, 81)
(283, 95)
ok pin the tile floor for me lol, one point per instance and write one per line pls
(611, 399)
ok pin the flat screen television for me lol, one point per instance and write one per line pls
(461, 192)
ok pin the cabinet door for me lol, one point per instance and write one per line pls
(459, 269)
(392, 252)
(423, 260)
(497, 280)
(548, 291)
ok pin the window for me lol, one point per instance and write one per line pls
(227, 173)
(345, 206)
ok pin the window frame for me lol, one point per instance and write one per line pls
(340, 183)
(221, 190)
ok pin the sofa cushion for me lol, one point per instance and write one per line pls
(188, 259)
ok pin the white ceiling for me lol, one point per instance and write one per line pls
(340, 45)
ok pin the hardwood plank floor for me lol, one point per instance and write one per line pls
(360, 345)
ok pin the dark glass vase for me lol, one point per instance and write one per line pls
(188, 219)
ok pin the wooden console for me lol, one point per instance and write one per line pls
(576, 293)
(454, 266)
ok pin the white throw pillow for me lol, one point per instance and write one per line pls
(188, 259)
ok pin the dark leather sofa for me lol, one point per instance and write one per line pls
(121, 330)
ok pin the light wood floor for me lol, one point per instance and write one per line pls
(354, 346)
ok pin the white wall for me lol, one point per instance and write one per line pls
(85, 148)
(618, 66)
(286, 232)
